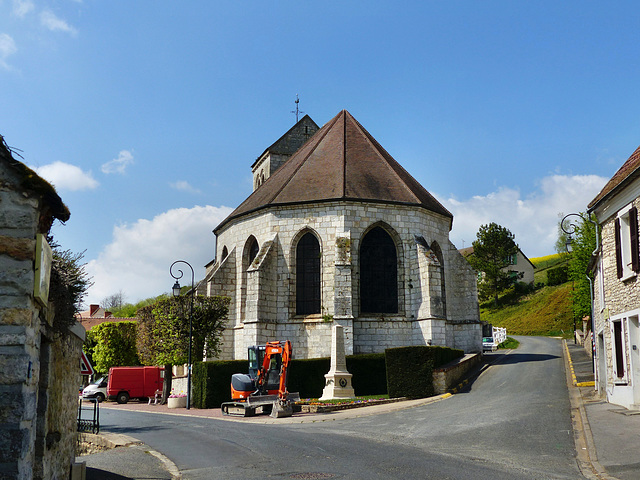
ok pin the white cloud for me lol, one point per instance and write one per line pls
(184, 186)
(7, 48)
(138, 258)
(64, 176)
(50, 21)
(533, 219)
(22, 7)
(120, 164)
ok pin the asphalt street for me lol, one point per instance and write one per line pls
(513, 422)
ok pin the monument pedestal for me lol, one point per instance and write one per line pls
(338, 380)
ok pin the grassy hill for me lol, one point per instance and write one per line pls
(545, 311)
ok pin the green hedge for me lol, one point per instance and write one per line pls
(307, 376)
(369, 373)
(212, 380)
(410, 369)
(400, 372)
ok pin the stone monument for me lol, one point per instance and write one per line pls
(338, 380)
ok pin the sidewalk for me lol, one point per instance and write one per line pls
(607, 435)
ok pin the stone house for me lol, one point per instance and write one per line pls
(518, 264)
(616, 286)
(39, 366)
(338, 232)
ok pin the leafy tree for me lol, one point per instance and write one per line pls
(115, 345)
(129, 310)
(493, 251)
(163, 331)
(583, 244)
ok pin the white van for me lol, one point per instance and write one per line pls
(97, 389)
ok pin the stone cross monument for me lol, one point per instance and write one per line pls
(338, 380)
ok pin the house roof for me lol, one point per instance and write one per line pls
(31, 181)
(629, 171)
(342, 161)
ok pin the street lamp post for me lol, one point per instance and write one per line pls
(176, 293)
(570, 229)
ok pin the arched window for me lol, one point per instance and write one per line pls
(225, 252)
(308, 275)
(443, 291)
(378, 273)
(253, 249)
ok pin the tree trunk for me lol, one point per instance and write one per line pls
(166, 388)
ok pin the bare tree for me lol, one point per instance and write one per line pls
(113, 302)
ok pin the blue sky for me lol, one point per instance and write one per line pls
(147, 116)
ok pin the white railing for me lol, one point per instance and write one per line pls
(499, 335)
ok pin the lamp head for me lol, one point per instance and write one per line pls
(176, 289)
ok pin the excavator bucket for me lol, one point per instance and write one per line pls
(281, 409)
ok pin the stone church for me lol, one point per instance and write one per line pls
(336, 231)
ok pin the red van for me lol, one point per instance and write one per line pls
(134, 382)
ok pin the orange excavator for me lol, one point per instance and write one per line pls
(264, 389)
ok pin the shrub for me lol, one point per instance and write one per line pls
(558, 276)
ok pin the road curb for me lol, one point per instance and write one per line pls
(116, 440)
(586, 454)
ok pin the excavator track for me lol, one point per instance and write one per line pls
(237, 409)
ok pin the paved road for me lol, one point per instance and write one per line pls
(513, 423)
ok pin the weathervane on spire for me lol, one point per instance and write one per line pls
(297, 111)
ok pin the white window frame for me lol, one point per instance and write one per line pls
(622, 319)
(625, 243)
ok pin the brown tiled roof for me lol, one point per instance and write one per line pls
(342, 161)
(626, 173)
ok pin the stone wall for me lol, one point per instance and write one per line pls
(448, 376)
(39, 374)
(264, 293)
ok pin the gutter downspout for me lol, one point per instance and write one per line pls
(593, 326)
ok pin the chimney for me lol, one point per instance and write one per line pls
(93, 309)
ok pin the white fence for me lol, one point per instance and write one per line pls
(499, 335)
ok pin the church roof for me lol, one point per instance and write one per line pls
(627, 173)
(342, 161)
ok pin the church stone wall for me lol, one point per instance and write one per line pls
(340, 227)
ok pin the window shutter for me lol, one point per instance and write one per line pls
(618, 249)
(633, 226)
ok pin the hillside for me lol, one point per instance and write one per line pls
(545, 311)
